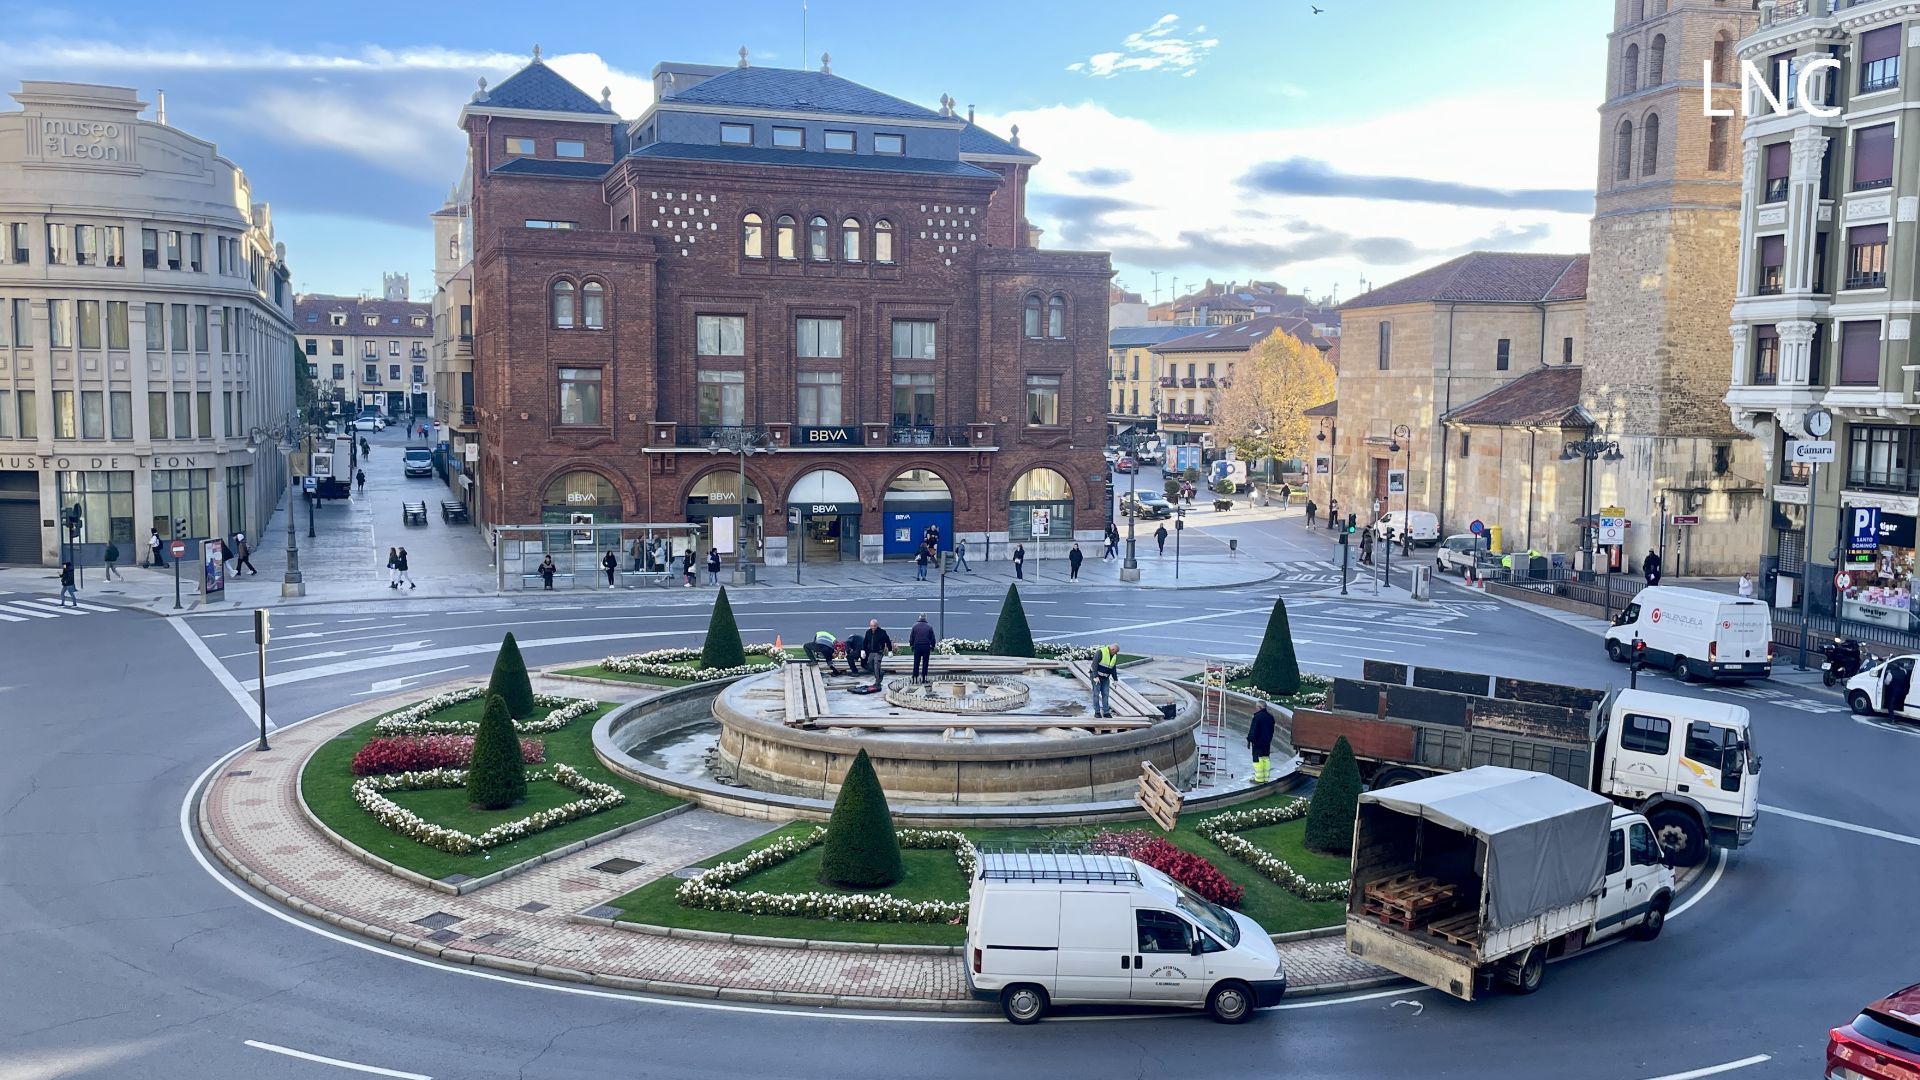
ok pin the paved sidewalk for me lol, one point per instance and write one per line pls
(251, 817)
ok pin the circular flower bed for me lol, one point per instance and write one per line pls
(418, 719)
(675, 664)
(370, 793)
(1043, 650)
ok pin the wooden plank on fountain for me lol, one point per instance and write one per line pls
(994, 722)
(1126, 700)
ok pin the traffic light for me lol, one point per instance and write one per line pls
(179, 528)
(1353, 523)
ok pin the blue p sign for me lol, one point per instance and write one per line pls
(1866, 527)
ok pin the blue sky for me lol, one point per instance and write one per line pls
(1217, 139)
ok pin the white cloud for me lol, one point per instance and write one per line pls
(105, 56)
(1160, 47)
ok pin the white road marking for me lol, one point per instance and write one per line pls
(1719, 867)
(1714, 1070)
(1151, 625)
(387, 686)
(346, 667)
(51, 601)
(1898, 838)
(12, 618)
(354, 1065)
(249, 708)
(23, 609)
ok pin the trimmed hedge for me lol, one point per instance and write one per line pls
(1011, 635)
(498, 776)
(1276, 670)
(1336, 799)
(723, 648)
(862, 851)
(510, 680)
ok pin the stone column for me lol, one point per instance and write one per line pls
(1803, 207)
(1796, 351)
(1749, 181)
(1740, 332)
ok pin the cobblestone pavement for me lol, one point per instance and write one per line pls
(252, 817)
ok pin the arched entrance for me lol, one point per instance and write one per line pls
(583, 499)
(1040, 507)
(916, 499)
(828, 510)
(726, 520)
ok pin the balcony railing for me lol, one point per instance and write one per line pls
(1776, 190)
(1168, 380)
(1208, 381)
(1871, 279)
(702, 434)
(1880, 75)
(1187, 383)
(927, 435)
(1772, 281)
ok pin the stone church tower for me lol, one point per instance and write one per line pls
(1665, 242)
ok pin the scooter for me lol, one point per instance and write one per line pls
(1844, 660)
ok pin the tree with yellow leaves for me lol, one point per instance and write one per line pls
(1260, 415)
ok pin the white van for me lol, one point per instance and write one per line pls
(1699, 634)
(1426, 527)
(1074, 928)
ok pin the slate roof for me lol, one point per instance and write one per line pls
(1331, 408)
(575, 170)
(975, 139)
(1125, 337)
(322, 306)
(1544, 397)
(798, 91)
(539, 88)
(1240, 336)
(757, 155)
(1486, 277)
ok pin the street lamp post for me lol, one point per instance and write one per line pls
(1589, 450)
(1406, 491)
(1325, 423)
(284, 435)
(1400, 432)
(741, 441)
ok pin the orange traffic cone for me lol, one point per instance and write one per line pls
(777, 647)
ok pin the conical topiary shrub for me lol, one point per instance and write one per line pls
(1011, 636)
(510, 680)
(861, 850)
(722, 648)
(1336, 798)
(1275, 669)
(497, 777)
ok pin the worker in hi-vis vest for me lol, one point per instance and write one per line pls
(820, 649)
(1105, 667)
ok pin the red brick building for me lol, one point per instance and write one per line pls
(787, 257)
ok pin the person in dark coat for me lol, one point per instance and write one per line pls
(547, 570)
(1160, 537)
(713, 566)
(856, 652)
(611, 564)
(922, 638)
(244, 558)
(687, 571)
(1074, 559)
(1313, 510)
(1260, 742)
(1650, 566)
(1020, 561)
(877, 645)
(920, 560)
(1113, 542)
(1899, 680)
(1333, 513)
(1366, 547)
(67, 591)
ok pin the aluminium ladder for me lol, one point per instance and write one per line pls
(1210, 739)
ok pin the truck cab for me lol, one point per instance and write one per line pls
(1686, 763)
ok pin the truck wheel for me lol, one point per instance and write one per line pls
(1681, 837)
(1387, 778)
(1533, 971)
(1230, 1003)
(1655, 921)
(1617, 652)
(1023, 1003)
(1860, 703)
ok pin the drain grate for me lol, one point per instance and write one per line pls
(494, 938)
(533, 907)
(455, 879)
(604, 911)
(241, 772)
(443, 936)
(688, 873)
(617, 866)
(439, 920)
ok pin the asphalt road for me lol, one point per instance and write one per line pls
(125, 956)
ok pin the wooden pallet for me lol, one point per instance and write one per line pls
(1407, 901)
(1461, 929)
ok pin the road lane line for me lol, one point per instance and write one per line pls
(249, 708)
(1699, 894)
(24, 609)
(12, 618)
(1898, 838)
(1151, 625)
(1715, 1070)
(421, 656)
(336, 1062)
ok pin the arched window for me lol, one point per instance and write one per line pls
(1722, 59)
(1717, 129)
(751, 237)
(1630, 70)
(1657, 60)
(783, 238)
(453, 248)
(1650, 145)
(1040, 506)
(1623, 151)
(1032, 325)
(850, 240)
(593, 306)
(1057, 317)
(883, 241)
(817, 239)
(563, 305)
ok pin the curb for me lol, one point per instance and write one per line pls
(654, 930)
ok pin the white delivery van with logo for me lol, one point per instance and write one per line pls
(1068, 927)
(1698, 634)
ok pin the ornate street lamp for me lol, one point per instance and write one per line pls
(1590, 450)
(283, 436)
(742, 441)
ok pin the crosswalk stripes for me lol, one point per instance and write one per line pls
(42, 607)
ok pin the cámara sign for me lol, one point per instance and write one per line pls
(84, 140)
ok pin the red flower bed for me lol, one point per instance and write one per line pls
(412, 753)
(1185, 867)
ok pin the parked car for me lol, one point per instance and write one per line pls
(1146, 504)
(1426, 527)
(1456, 553)
(1124, 464)
(1698, 633)
(418, 461)
(369, 423)
(1867, 691)
(1882, 1043)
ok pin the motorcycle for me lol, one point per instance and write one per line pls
(1845, 659)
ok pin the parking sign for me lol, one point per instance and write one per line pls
(1865, 531)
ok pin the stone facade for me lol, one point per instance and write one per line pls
(1665, 241)
(365, 353)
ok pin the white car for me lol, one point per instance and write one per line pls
(370, 423)
(1456, 553)
(1866, 692)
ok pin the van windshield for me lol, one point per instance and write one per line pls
(1207, 914)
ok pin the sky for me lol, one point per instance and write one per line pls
(1222, 139)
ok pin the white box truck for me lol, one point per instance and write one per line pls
(1480, 877)
(1058, 927)
(1697, 633)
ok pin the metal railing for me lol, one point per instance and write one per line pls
(927, 435)
(702, 434)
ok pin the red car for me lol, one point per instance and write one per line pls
(1124, 464)
(1882, 1043)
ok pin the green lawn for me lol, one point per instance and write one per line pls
(595, 671)
(1288, 840)
(327, 781)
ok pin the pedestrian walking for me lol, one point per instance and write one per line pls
(1746, 586)
(244, 557)
(366, 448)
(1020, 561)
(922, 639)
(1113, 541)
(153, 550)
(1312, 510)
(1074, 559)
(1260, 743)
(820, 649)
(67, 591)
(713, 566)
(876, 647)
(1366, 547)
(660, 556)
(360, 477)
(403, 573)
(932, 537)
(393, 568)
(1650, 567)
(547, 570)
(1106, 665)
(960, 555)
(112, 558)
(1160, 538)
(687, 568)
(920, 561)
(1286, 495)
(611, 564)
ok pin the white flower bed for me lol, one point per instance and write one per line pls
(1312, 687)
(672, 664)
(1221, 829)
(418, 719)
(713, 890)
(370, 793)
(1045, 650)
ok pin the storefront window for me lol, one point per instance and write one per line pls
(181, 493)
(1881, 592)
(237, 501)
(1040, 507)
(715, 503)
(106, 505)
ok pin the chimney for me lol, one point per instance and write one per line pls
(160, 110)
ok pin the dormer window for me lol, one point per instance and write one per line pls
(373, 320)
(790, 138)
(569, 148)
(839, 142)
(420, 321)
(519, 146)
(338, 318)
(736, 134)
(889, 144)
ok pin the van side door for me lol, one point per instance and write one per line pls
(1615, 895)
(1165, 969)
(1096, 947)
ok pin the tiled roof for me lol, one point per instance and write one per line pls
(978, 140)
(576, 170)
(756, 155)
(1238, 337)
(322, 307)
(1125, 337)
(1331, 408)
(539, 88)
(1486, 277)
(798, 91)
(1544, 397)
